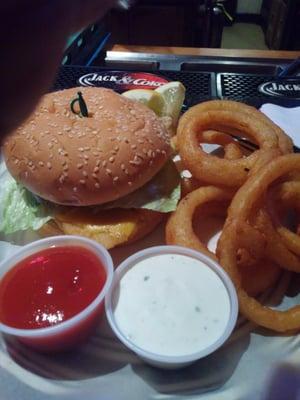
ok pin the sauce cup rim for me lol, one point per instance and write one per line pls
(59, 241)
(172, 249)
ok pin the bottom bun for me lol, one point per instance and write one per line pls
(111, 228)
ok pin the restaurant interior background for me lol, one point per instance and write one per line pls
(253, 24)
(227, 24)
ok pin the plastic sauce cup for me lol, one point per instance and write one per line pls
(146, 322)
(74, 330)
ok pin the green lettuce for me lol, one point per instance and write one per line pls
(21, 210)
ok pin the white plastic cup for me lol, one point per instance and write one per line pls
(169, 361)
(72, 331)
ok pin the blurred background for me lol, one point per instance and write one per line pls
(230, 24)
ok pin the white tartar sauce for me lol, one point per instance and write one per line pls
(172, 305)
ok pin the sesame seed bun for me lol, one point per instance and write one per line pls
(87, 161)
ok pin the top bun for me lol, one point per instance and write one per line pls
(86, 161)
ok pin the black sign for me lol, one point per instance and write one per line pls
(286, 88)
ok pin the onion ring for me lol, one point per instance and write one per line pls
(280, 321)
(212, 169)
(284, 141)
(180, 230)
(246, 198)
(288, 194)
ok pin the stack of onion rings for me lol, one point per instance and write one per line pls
(255, 245)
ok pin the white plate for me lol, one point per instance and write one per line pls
(104, 369)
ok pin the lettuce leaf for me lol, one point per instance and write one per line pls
(19, 209)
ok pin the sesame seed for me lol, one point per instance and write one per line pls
(163, 152)
(94, 176)
(126, 172)
(75, 189)
(82, 181)
(116, 148)
(116, 178)
(96, 169)
(41, 163)
(123, 167)
(135, 162)
(149, 153)
(130, 183)
(98, 163)
(81, 149)
(104, 164)
(79, 166)
(84, 173)
(87, 148)
(50, 145)
(141, 141)
(49, 165)
(97, 185)
(108, 171)
(86, 157)
(66, 168)
(133, 146)
(111, 159)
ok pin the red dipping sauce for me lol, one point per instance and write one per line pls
(50, 286)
